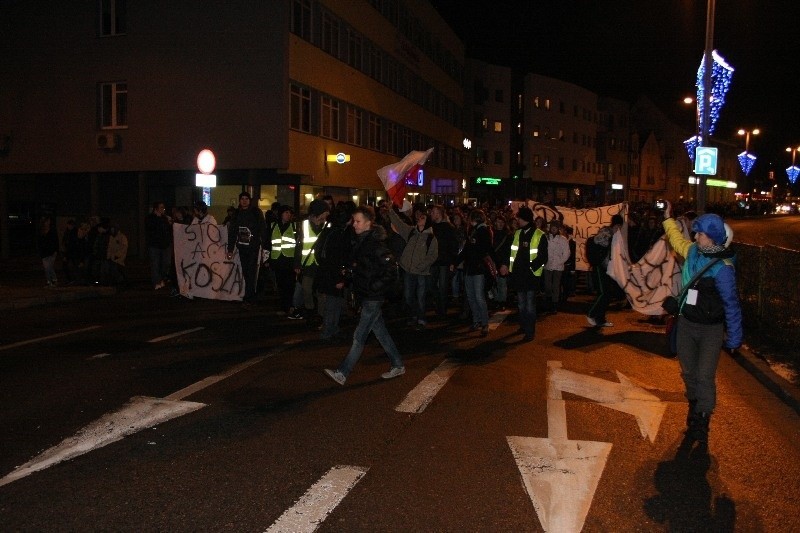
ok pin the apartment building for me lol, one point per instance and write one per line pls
(488, 158)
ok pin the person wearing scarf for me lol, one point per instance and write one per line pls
(710, 314)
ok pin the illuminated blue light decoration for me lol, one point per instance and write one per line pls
(746, 161)
(792, 173)
(691, 145)
(721, 74)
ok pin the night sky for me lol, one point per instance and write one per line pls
(625, 49)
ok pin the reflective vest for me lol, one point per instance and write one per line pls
(282, 243)
(309, 238)
(534, 249)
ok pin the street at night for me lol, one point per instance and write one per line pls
(459, 443)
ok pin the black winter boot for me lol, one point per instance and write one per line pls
(698, 429)
(690, 414)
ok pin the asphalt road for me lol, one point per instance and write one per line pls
(777, 230)
(272, 427)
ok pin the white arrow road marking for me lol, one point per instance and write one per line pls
(177, 334)
(40, 339)
(623, 396)
(418, 399)
(140, 412)
(318, 501)
(497, 319)
(561, 477)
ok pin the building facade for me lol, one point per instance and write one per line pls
(106, 104)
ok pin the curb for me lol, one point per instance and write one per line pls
(759, 369)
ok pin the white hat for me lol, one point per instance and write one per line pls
(406, 206)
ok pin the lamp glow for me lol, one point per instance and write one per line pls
(206, 162)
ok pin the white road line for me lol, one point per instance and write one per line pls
(556, 406)
(178, 334)
(40, 339)
(210, 380)
(496, 319)
(203, 383)
(99, 356)
(418, 399)
(317, 503)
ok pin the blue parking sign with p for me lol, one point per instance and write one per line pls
(705, 161)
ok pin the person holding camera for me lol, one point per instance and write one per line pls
(709, 306)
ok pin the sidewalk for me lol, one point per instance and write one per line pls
(22, 286)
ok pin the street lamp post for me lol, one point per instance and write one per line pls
(704, 120)
(746, 133)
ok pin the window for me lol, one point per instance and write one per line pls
(498, 95)
(329, 123)
(485, 124)
(112, 17)
(535, 131)
(498, 126)
(391, 138)
(114, 105)
(354, 123)
(574, 165)
(354, 47)
(560, 163)
(498, 157)
(406, 141)
(547, 104)
(301, 19)
(519, 128)
(374, 137)
(561, 107)
(519, 102)
(560, 135)
(536, 160)
(330, 34)
(536, 102)
(300, 103)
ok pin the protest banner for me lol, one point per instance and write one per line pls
(584, 222)
(203, 269)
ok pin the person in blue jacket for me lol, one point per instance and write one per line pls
(710, 314)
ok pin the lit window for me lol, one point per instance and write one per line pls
(547, 104)
(114, 105)
(536, 102)
(485, 124)
(498, 126)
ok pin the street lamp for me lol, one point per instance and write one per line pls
(746, 133)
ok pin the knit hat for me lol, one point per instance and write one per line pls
(317, 207)
(712, 225)
(525, 214)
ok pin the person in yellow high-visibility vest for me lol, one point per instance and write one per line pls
(525, 266)
(281, 256)
(305, 262)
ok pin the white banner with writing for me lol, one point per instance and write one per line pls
(584, 222)
(203, 269)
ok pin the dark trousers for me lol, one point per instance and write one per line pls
(249, 260)
(285, 278)
(439, 280)
(603, 285)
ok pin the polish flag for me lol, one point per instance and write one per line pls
(394, 176)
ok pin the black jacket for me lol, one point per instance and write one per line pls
(445, 234)
(371, 265)
(253, 220)
(478, 246)
(157, 231)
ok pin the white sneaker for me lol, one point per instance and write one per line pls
(336, 376)
(394, 372)
(607, 324)
(591, 321)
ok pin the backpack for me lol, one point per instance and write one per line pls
(595, 253)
